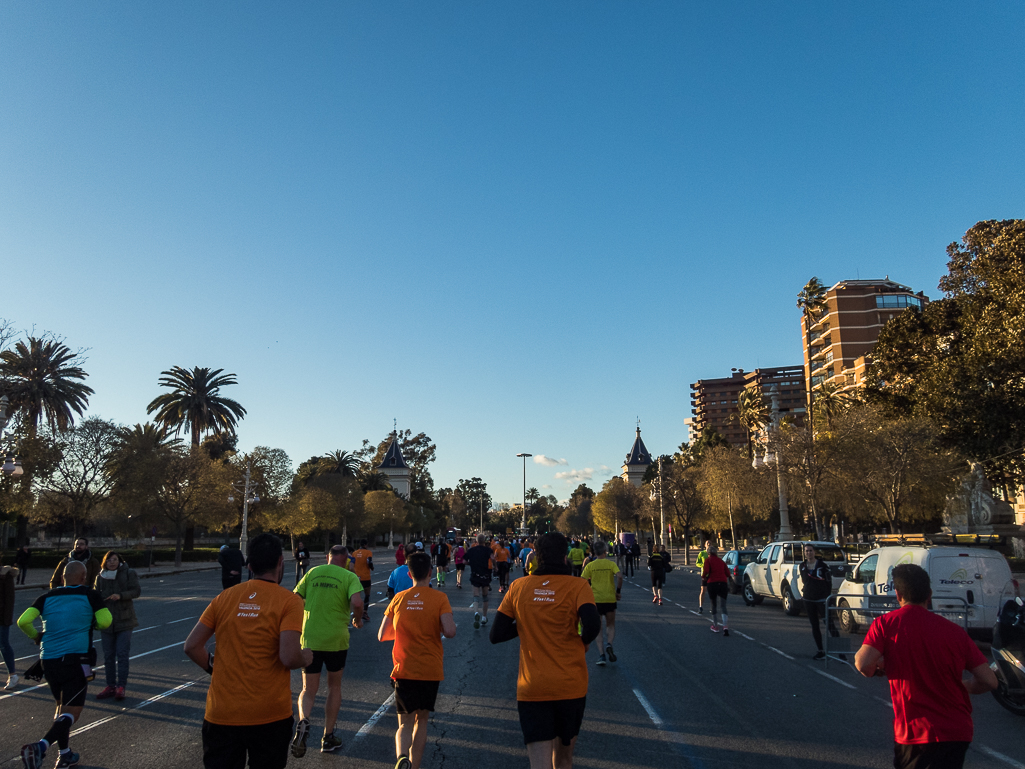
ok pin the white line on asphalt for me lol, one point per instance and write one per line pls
(1000, 757)
(887, 703)
(745, 635)
(774, 649)
(365, 729)
(183, 619)
(655, 718)
(142, 704)
(154, 651)
(22, 691)
(832, 678)
(696, 614)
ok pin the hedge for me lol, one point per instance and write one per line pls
(135, 558)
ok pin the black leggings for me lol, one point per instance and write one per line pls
(815, 610)
(718, 591)
(628, 566)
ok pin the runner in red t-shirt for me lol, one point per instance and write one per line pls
(713, 575)
(924, 655)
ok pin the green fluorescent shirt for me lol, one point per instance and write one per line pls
(602, 573)
(701, 558)
(327, 590)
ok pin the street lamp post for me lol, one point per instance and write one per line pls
(523, 522)
(772, 457)
(248, 490)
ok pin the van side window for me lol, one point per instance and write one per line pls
(867, 570)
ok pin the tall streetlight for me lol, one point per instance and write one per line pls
(773, 458)
(523, 523)
(248, 490)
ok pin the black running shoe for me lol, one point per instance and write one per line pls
(819, 656)
(302, 731)
(330, 743)
(609, 653)
(67, 759)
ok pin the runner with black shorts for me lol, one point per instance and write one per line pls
(607, 585)
(442, 561)
(481, 563)
(713, 576)
(69, 614)
(459, 557)
(545, 610)
(658, 576)
(363, 565)
(331, 594)
(416, 619)
(502, 557)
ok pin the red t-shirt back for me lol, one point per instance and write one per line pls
(714, 569)
(924, 656)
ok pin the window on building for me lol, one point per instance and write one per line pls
(898, 300)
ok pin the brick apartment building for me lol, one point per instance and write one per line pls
(843, 336)
(714, 401)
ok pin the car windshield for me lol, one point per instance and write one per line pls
(832, 554)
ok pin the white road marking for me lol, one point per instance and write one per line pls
(696, 614)
(372, 721)
(22, 691)
(887, 703)
(1000, 757)
(774, 649)
(142, 704)
(183, 619)
(154, 651)
(744, 635)
(832, 678)
(655, 718)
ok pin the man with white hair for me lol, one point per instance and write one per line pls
(481, 563)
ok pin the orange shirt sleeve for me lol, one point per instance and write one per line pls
(209, 616)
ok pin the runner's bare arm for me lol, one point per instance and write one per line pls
(356, 606)
(195, 645)
(387, 630)
(448, 625)
(291, 653)
(983, 680)
(868, 661)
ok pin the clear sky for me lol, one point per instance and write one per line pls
(514, 226)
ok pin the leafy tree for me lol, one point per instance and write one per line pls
(472, 499)
(195, 402)
(418, 450)
(708, 439)
(576, 518)
(43, 379)
(385, 512)
(617, 505)
(811, 301)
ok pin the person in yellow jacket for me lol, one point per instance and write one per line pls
(576, 558)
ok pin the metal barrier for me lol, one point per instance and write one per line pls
(836, 646)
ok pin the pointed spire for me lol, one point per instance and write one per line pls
(639, 453)
(393, 456)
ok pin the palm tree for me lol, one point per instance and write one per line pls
(831, 402)
(752, 414)
(40, 377)
(194, 401)
(811, 301)
(340, 463)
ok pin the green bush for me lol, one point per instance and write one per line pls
(135, 558)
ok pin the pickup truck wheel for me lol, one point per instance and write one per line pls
(791, 605)
(847, 623)
(750, 597)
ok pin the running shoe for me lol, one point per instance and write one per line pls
(601, 660)
(119, 693)
(106, 693)
(12, 681)
(366, 617)
(714, 628)
(725, 632)
(659, 601)
(701, 610)
(67, 759)
(484, 621)
(403, 763)
(819, 656)
(654, 599)
(609, 653)
(32, 755)
(302, 731)
(330, 743)
(476, 620)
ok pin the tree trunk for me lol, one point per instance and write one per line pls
(22, 530)
(686, 545)
(178, 547)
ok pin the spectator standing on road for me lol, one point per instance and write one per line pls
(700, 563)
(444, 551)
(400, 578)
(249, 701)
(635, 556)
(363, 565)
(481, 563)
(658, 576)
(714, 577)
(925, 656)
(302, 561)
(69, 614)
(23, 559)
(607, 585)
(545, 610)
(460, 560)
(816, 586)
(416, 619)
(331, 594)
(8, 579)
(400, 555)
(83, 554)
(232, 562)
(119, 587)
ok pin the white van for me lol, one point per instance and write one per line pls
(971, 577)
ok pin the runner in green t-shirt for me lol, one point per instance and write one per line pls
(332, 594)
(607, 585)
(576, 558)
(700, 564)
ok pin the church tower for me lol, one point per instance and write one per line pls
(395, 468)
(637, 462)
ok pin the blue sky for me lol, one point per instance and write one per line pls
(516, 227)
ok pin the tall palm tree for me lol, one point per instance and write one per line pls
(811, 301)
(194, 401)
(340, 463)
(831, 401)
(42, 377)
(752, 414)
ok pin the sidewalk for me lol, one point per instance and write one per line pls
(160, 570)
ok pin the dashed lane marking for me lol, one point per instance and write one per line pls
(372, 721)
(744, 635)
(999, 756)
(887, 703)
(780, 653)
(142, 704)
(832, 678)
(655, 718)
(183, 619)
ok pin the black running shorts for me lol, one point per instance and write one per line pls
(67, 682)
(442, 562)
(480, 579)
(266, 745)
(605, 608)
(412, 695)
(544, 721)
(460, 566)
(658, 578)
(936, 755)
(718, 589)
(334, 661)
(366, 584)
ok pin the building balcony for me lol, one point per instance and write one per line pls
(820, 353)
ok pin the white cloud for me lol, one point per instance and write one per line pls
(546, 486)
(541, 459)
(604, 470)
(576, 476)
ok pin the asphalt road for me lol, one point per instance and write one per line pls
(679, 696)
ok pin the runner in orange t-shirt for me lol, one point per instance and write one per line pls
(257, 625)
(502, 564)
(416, 619)
(544, 610)
(363, 565)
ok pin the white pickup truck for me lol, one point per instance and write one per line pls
(775, 574)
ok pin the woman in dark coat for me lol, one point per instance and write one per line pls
(119, 587)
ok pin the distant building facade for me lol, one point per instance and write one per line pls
(395, 468)
(637, 462)
(714, 402)
(842, 337)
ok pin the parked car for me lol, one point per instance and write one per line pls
(970, 578)
(774, 572)
(736, 561)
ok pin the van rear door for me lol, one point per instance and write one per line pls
(956, 575)
(995, 575)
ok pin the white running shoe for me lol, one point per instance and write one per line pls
(12, 681)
